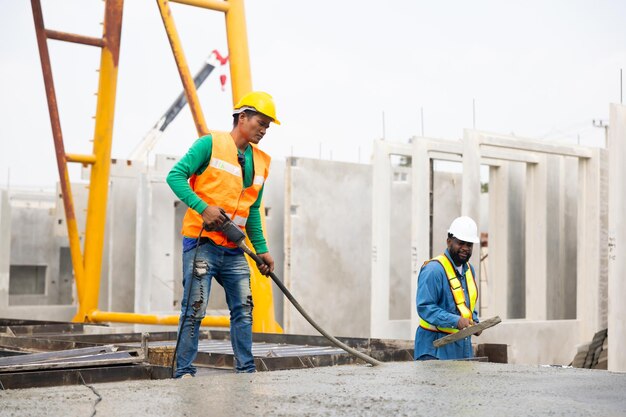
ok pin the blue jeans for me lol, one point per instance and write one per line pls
(231, 271)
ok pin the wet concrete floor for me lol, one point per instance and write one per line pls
(395, 389)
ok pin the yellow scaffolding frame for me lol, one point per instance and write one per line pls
(88, 264)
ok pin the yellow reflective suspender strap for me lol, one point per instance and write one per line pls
(472, 289)
(424, 324)
(455, 286)
(457, 293)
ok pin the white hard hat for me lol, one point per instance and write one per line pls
(465, 229)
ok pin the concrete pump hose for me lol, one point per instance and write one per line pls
(297, 305)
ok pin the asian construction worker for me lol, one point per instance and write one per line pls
(222, 175)
(447, 294)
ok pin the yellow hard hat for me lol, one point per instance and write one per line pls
(258, 101)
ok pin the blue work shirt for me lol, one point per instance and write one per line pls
(435, 304)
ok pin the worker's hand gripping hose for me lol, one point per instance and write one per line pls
(235, 235)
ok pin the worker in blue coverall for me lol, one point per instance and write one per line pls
(447, 295)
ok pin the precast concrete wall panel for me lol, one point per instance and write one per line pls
(162, 241)
(274, 203)
(217, 301)
(155, 275)
(117, 280)
(504, 286)
(554, 236)
(142, 246)
(541, 342)
(602, 290)
(592, 228)
(516, 240)
(447, 187)
(328, 243)
(5, 248)
(121, 236)
(400, 251)
(36, 217)
(158, 265)
(570, 232)
(103, 292)
(617, 239)
(80, 194)
(163, 164)
(34, 245)
(179, 214)
(446, 207)
(561, 237)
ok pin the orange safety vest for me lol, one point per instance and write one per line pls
(457, 293)
(221, 184)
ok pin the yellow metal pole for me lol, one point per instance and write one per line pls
(97, 316)
(217, 5)
(263, 319)
(183, 68)
(238, 55)
(263, 313)
(99, 182)
(83, 159)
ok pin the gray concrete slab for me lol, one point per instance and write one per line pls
(395, 389)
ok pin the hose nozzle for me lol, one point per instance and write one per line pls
(233, 232)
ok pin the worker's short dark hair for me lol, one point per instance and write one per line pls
(248, 113)
(450, 235)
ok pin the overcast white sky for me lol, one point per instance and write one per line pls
(541, 69)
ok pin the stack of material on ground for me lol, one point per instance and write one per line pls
(593, 355)
(43, 353)
(37, 353)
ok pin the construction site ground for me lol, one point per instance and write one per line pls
(446, 388)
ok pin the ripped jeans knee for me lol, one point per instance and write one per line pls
(198, 294)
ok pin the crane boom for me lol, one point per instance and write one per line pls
(154, 134)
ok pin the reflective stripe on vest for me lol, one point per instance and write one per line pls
(226, 166)
(457, 293)
(221, 184)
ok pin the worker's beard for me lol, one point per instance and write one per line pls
(459, 258)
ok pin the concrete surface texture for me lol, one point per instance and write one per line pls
(395, 389)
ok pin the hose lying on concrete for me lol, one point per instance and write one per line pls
(308, 318)
(234, 234)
